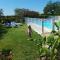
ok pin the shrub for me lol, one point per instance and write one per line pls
(6, 51)
(2, 30)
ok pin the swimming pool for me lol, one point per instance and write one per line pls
(47, 22)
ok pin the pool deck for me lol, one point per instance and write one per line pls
(38, 29)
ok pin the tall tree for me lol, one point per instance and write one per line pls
(25, 13)
(52, 8)
(2, 28)
(20, 13)
(1, 12)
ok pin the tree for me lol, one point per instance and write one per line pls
(52, 8)
(1, 12)
(20, 13)
(2, 28)
(25, 13)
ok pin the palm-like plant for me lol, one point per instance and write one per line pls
(57, 24)
(47, 47)
(42, 47)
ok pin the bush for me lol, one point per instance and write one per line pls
(50, 40)
(2, 30)
(6, 54)
(6, 51)
(53, 31)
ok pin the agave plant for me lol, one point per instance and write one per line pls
(47, 47)
(42, 47)
(57, 24)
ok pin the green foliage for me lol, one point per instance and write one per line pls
(52, 8)
(26, 13)
(57, 24)
(16, 39)
(47, 46)
(2, 29)
(6, 51)
(50, 40)
(1, 12)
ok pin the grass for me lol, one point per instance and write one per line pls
(17, 40)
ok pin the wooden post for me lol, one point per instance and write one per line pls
(42, 27)
(53, 27)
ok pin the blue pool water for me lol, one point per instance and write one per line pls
(47, 22)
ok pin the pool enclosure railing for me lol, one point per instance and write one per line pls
(47, 23)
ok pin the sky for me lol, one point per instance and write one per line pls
(9, 6)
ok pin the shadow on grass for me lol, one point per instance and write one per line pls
(3, 30)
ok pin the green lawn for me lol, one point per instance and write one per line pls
(17, 40)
